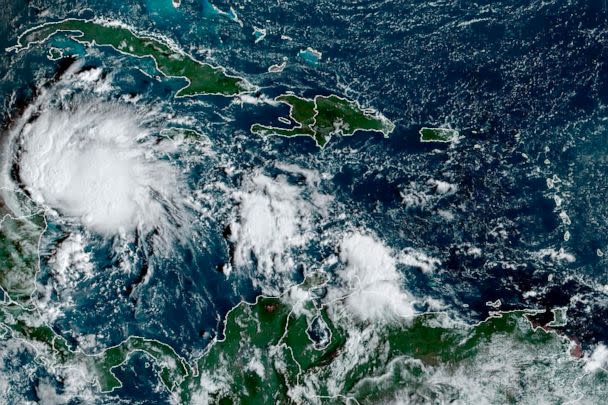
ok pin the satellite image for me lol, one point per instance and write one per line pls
(303, 202)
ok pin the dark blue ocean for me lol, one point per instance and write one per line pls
(525, 83)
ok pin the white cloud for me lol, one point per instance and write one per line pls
(274, 219)
(92, 164)
(249, 99)
(48, 395)
(371, 274)
(443, 187)
(419, 259)
(255, 364)
(210, 384)
(298, 297)
(71, 262)
(414, 198)
(598, 358)
(425, 195)
(556, 255)
(95, 162)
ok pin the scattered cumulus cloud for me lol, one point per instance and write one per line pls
(418, 259)
(274, 219)
(597, 359)
(370, 271)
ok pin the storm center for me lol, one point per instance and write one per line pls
(93, 163)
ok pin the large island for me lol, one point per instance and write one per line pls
(202, 78)
(324, 116)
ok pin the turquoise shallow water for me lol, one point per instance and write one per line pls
(309, 57)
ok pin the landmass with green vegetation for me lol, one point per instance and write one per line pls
(299, 348)
(437, 134)
(324, 116)
(19, 237)
(266, 355)
(202, 78)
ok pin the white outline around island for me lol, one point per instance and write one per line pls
(249, 88)
(390, 126)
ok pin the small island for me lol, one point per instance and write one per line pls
(324, 116)
(437, 134)
(170, 61)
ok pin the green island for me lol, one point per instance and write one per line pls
(55, 53)
(324, 116)
(202, 78)
(437, 134)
